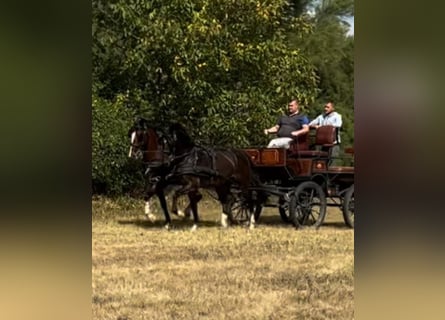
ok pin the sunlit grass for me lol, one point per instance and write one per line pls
(142, 271)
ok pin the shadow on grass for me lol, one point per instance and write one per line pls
(276, 221)
(271, 221)
(267, 220)
(160, 223)
(335, 224)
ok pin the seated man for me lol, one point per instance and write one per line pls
(333, 118)
(288, 127)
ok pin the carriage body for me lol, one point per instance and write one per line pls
(305, 177)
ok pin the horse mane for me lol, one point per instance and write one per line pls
(143, 124)
(180, 133)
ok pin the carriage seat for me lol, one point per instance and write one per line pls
(300, 143)
(325, 137)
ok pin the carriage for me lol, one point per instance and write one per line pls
(301, 182)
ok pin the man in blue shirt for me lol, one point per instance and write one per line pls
(333, 118)
(288, 127)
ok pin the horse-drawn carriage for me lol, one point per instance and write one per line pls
(299, 181)
(304, 179)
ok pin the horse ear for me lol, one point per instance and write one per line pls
(141, 123)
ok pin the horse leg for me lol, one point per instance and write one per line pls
(187, 187)
(250, 203)
(175, 197)
(148, 214)
(177, 211)
(174, 207)
(250, 208)
(188, 210)
(194, 198)
(226, 200)
(163, 202)
(222, 197)
(149, 192)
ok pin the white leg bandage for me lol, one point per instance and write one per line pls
(150, 216)
(224, 219)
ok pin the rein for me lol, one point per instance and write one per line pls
(176, 159)
(191, 168)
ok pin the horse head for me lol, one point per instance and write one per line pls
(147, 142)
(138, 138)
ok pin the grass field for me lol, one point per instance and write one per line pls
(142, 271)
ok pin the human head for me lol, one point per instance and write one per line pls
(293, 106)
(329, 107)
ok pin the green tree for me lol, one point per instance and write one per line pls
(112, 172)
(221, 67)
(331, 50)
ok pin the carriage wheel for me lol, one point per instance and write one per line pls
(240, 212)
(348, 207)
(308, 205)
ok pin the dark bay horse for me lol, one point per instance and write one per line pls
(220, 169)
(148, 144)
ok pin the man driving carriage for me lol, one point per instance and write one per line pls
(288, 126)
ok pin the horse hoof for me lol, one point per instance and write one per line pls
(194, 228)
(151, 217)
(180, 213)
(167, 226)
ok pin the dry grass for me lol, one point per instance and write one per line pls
(141, 271)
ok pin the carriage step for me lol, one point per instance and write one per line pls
(340, 169)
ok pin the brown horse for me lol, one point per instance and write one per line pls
(221, 169)
(148, 144)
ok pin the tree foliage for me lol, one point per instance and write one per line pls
(202, 62)
(331, 50)
(224, 68)
(112, 172)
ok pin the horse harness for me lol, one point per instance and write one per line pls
(191, 166)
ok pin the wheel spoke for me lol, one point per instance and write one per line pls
(311, 204)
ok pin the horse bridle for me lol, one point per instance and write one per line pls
(163, 140)
(136, 148)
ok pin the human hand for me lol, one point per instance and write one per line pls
(266, 132)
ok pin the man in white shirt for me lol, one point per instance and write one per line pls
(333, 118)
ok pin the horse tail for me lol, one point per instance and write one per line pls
(255, 179)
